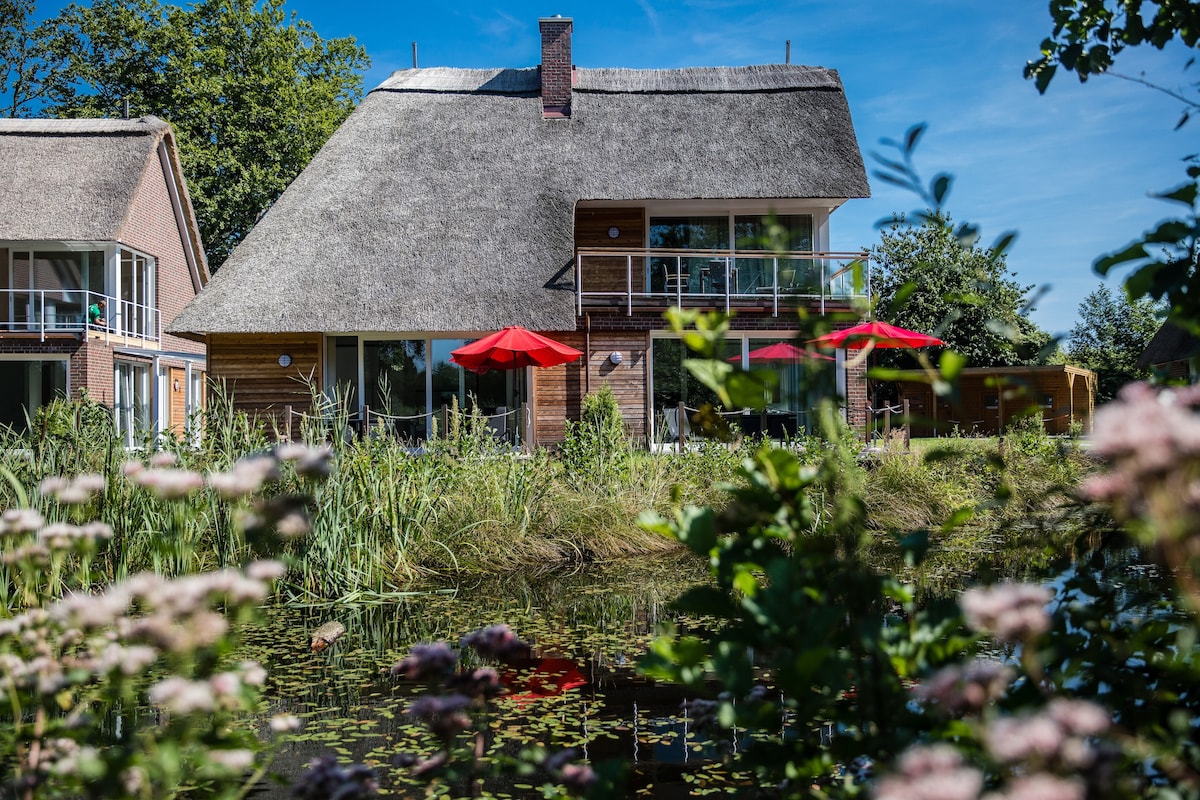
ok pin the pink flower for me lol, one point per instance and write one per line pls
(1012, 612)
(933, 772)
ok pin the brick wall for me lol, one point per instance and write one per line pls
(151, 228)
(556, 66)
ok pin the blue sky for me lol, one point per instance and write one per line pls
(1071, 171)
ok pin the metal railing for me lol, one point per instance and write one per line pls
(648, 277)
(54, 311)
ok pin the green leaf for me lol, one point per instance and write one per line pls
(712, 373)
(951, 364)
(1185, 194)
(751, 389)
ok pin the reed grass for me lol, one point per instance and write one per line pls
(389, 518)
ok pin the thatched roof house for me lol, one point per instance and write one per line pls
(99, 250)
(446, 201)
(1171, 351)
(454, 202)
(77, 179)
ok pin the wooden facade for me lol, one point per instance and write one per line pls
(991, 398)
(248, 368)
(593, 230)
(558, 392)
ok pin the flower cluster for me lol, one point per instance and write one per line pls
(78, 491)
(121, 637)
(1055, 738)
(964, 689)
(245, 478)
(935, 771)
(165, 483)
(1012, 612)
(1043, 755)
(1151, 440)
(327, 779)
(426, 662)
(577, 778)
(496, 642)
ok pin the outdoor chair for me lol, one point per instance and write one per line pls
(671, 418)
(675, 279)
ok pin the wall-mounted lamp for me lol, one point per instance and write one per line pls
(175, 385)
(285, 360)
(615, 357)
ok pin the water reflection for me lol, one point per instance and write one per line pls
(577, 689)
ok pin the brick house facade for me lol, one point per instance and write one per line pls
(91, 211)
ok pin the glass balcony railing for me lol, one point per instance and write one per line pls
(648, 278)
(74, 311)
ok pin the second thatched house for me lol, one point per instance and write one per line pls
(580, 203)
(99, 250)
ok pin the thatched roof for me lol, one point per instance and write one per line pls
(1170, 343)
(446, 202)
(75, 179)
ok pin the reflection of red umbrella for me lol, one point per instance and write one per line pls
(512, 348)
(880, 334)
(780, 351)
(548, 677)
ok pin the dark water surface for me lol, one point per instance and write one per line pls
(580, 690)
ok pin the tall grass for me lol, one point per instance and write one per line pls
(390, 517)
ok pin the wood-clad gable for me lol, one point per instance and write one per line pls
(593, 230)
(248, 368)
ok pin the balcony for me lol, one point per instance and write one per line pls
(56, 312)
(730, 279)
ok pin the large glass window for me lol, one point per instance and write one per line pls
(407, 381)
(48, 288)
(136, 316)
(803, 381)
(131, 400)
(773, 233)
(394, 383)
(29, 385)
(708, 272)
(685, 273)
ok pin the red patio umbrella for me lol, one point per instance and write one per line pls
(513, 347)
(780, 351)
(878, 334)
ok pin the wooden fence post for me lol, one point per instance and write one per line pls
(445, 420)
(287, 424)
(907, 427)
(526, 428)
(680, 427)
(887, 427)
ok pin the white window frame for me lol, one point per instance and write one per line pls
(131, 418)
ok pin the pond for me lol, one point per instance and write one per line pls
(579, 689)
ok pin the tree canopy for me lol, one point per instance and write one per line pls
(1110, 336)
(1086, 39)
(251, 91)
(929, 280)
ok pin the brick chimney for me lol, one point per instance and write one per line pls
(556, 68)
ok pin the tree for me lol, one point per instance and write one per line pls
(251, 92)
(1110, 336)
(30, 72)
(1086, 39)
(930, 280)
